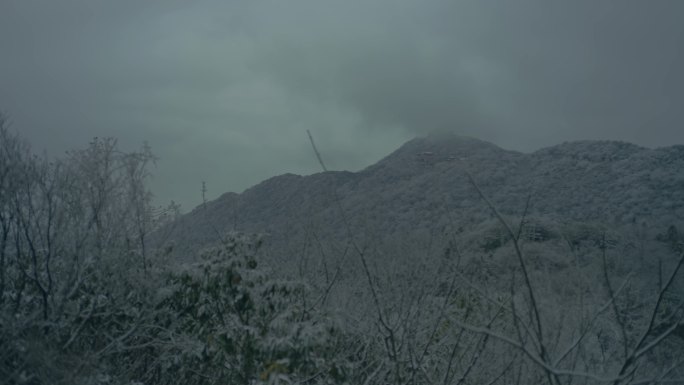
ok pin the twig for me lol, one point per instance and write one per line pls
(588, 327)
(639, 349)
(318, 154)
(535, 358)
(523, 266)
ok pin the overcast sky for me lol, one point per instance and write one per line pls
(224, 91)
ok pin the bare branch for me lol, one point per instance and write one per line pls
(535, 358)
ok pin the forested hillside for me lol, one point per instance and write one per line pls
(422, 192)
(451, 261)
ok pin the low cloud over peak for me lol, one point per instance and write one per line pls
(224, 91)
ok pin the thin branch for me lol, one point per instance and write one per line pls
(495, 379)
(391, 345)
(523, 266)
(621, 322)
(657, 339)
(483, 344)
(534, 357)
(81, 325)
(318, 154)
(524, 216)
(591, 323)
(639, 349)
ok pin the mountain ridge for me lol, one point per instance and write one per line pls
(422, 190)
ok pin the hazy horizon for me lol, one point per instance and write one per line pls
(224, 91)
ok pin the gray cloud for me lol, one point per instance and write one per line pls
(224, 91)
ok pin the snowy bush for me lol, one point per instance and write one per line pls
(241, 326)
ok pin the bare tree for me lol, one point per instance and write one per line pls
(576, 358)
(68, 231)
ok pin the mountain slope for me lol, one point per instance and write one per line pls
(421, 193)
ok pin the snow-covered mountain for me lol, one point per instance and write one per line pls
(589, 217)
(421, 195)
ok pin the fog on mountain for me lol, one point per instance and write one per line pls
(450, 261)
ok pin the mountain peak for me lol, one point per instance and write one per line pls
(440, 147)
(448, 142)
(411, 191)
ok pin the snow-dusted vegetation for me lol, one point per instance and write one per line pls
(356, 279)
